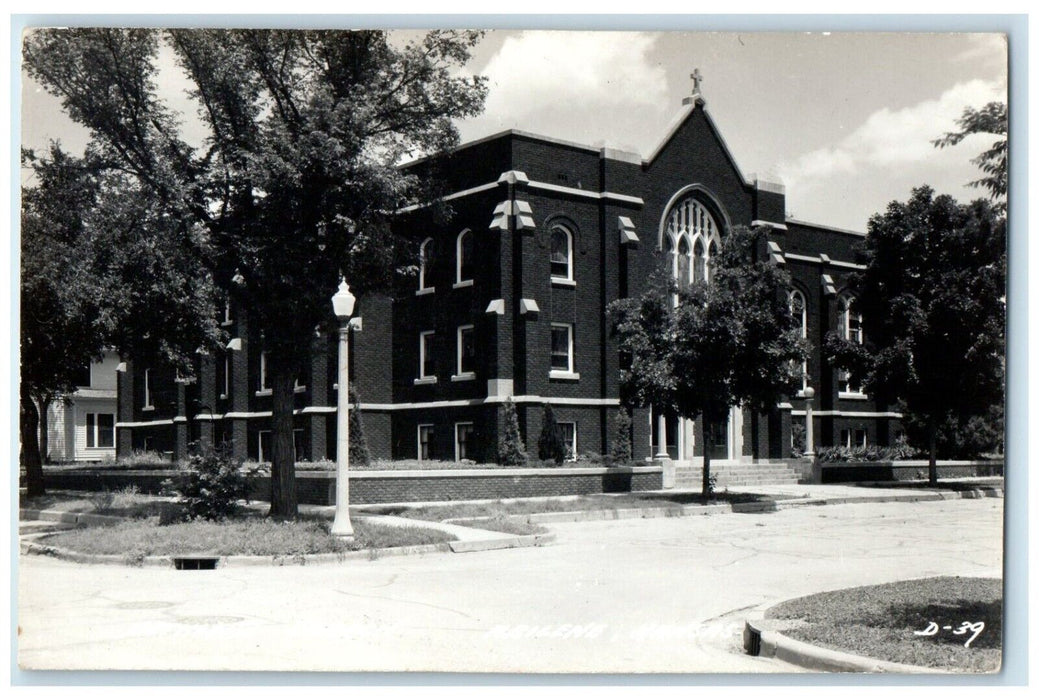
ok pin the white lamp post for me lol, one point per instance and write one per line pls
(809, 394)
(343, 306)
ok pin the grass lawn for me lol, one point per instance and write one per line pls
(881, 621)
(127, 503)
(249, 536)
(502, 509)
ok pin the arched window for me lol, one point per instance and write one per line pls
(699, 262)
(713, 253)
(799, 311)
(425, 263)
(562, 260)
(682, 274)
(691, 227)
(849, 321)
(464, 257)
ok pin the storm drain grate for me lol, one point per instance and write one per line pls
(194, 563)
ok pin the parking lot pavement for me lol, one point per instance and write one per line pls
(665, 595)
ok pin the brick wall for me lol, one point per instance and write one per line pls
(318, 488)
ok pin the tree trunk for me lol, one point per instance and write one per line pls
(284, 505)
(708, 445)
(932, 463)
(30, 452)
(44, 403)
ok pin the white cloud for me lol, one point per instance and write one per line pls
(894, 138)
(561, 83)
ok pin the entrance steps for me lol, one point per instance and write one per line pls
(689, 475)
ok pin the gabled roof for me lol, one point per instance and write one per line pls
(686, 113)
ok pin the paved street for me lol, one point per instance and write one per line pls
(665, 595)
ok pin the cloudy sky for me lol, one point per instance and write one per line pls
(845, 120)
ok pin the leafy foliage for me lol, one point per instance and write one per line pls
(867, 453)
(932, 299)
(620, 448)
(359, 453)
(990, 119)
(297, 178)
(100, 268)
(211, 485)
(703, 348)
(550, 443)
(510, 443)
(960, 437)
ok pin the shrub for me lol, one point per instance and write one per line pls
(510, 443)
(620, 450)
(550, 442)
(102, 501)
(359, 453)
(211, 485)
(870, 453)
(140, 459)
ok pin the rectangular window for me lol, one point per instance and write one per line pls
(853, 438)
(466, 351)
(148, 388)
(425, 442)
(227, 376)
(425, 355)
(463, 441)
(569, 433)
(100, 430)
(266, 448)
(263, 372)
(845, 387)
(562, 347)
(264, 454)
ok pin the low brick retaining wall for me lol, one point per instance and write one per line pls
(318, 488)
(901, 470)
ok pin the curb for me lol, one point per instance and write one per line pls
(758, 640)
(769, 506)
(291, 560)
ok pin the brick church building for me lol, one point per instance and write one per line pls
(510, 301)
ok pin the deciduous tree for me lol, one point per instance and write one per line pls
(932, 300)
(297, 179)
(100, 269)
(703, 348)
(990, 119)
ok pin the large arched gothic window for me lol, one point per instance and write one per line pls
(682, 271)
(699, 261)
(691, 237)
(713, 252)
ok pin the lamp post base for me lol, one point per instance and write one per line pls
(342, 528)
